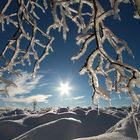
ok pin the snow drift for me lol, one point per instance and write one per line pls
(66, 124)
(126, 129)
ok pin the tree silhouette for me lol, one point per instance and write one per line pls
(34, 104)
(24, 20)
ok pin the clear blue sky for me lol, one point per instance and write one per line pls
(58, 67)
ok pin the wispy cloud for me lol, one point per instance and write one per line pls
(25, 84)
(30, 99)
(78, 97)
(44, 83)
(75, 98)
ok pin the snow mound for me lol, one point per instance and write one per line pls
(73, 124)
(61, 129)
(68, 125)
(17, 117)
(14, 112)
(11, 129)
(80, 112)
(126, 129)
(127, 126)
(33, 121)
(108, 136)
(97, 124)
(119, 114)
(69, 115)
(62, 110)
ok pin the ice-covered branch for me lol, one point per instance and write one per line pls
(137, 3)
(25, 23)
(26, 30)
(124, 79)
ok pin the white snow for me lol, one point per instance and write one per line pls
(68, 124)
(123, 130)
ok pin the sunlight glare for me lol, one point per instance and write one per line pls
(64, 88)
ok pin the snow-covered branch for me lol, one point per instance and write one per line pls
(25, 22)
(125, 78)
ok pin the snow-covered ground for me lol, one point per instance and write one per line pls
(68, 124)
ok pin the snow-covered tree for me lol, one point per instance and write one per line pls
(34, 104)
(25, 18)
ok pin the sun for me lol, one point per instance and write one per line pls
(64, 88)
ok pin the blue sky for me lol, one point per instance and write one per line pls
(58, 67)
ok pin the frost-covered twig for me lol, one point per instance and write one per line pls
(25, 15)
(125, 78)
(25, 22)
